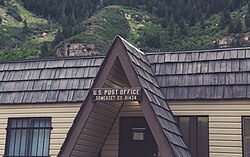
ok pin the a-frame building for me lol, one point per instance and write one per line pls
(125, 128)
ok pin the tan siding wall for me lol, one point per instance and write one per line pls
(111, 146)
(62, 118)
(225, 139)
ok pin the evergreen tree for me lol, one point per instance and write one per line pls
(44, 50)
(248, 7)
(238, 26)
(67, 32)
(203, 26)
(149, 7)
(225, 19)
(151, 37)
(182, 27)
(247, 17)
(1, 20)
(25, 27)
(231, 27)
(164, 22)
(171, 27)
(153, 40)
(247, 20)
(57, 9)
(58, 38)
(1, 2)
(236, 4)
(161, 12)
(235, 26)
(192, 20)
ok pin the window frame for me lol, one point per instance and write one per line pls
(243, 134)
(8, 132)
(193, 132)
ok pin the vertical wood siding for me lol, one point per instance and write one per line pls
(62, 119)
(225, 128)
(96, 129)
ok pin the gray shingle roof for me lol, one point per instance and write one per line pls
(42, 81)
(211, 74)
(214, 74)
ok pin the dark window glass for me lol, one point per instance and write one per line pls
(202, 139)
(246, 136)
(194, 130)
(28, 137)
(184, 128)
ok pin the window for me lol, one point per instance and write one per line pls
(246, 136)
(195, 134)
(28, 137)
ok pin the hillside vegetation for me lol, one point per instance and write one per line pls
(36, 28)
(21, 32)
(101, 28)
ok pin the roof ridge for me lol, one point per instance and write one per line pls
(198, 51)
(52, 59)
(138, 50)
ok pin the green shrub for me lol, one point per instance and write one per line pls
(12, 11)
(18, 54)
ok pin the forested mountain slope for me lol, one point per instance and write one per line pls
(43, 28)
(21, 32)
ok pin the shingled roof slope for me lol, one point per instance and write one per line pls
(211, 74)
(162, 111)
(44, 81)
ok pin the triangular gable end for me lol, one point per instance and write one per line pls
(133, 63)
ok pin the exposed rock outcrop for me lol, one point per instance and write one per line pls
(77, 49)
(233, 41)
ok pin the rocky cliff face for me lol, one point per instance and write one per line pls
(77, 49)
(234, 40)
(84, 49)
